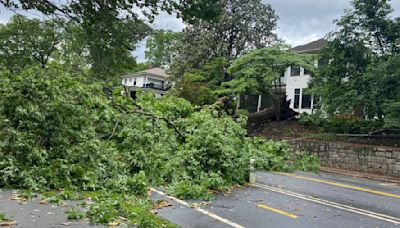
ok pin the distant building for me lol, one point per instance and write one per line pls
(153, 79)
(293, 83)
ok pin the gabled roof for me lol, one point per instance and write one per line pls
(311, 47)
(157, 72)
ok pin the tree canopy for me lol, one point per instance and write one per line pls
(260, 72)
(110, 30)
(360, 76)
(161, 47)
(241, 26)
(27, 42)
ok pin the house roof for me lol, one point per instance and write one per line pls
(311, 47)
(157, 72)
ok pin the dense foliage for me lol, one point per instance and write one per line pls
(25, 42)
(57, 132)
(201, 86)
(340, 124)
(32, 42)
(362, 76)
(160, 47)
(241, 26)
(260, 72)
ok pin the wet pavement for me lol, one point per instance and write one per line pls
(32, 214)
(297, 200)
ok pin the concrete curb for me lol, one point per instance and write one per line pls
(356, 174)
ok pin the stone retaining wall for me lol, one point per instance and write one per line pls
(364, 158)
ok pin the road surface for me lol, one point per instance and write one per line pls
(294, 200)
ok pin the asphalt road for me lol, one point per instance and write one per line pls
(32, 214)
(294, 200)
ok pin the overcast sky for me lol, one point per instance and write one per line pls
(300, 21)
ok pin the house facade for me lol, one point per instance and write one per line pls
(294, 83)
(152, 79)
(298, 79)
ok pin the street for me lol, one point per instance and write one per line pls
(294, 200)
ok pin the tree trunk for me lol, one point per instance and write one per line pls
(270, 114)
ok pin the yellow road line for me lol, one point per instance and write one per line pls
(276, 211)
(343, 185)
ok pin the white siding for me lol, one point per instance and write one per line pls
(130, 81)
(297, 82)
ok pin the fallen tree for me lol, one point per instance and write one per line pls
(272, 114)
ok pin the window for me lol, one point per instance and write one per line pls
(295, 71)
(322, 62)
(306, 72)
(130, 80)
(125, 81)
(134, 81)
(296, 98)
(306, 100)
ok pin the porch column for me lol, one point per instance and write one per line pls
(259, 103)
(238, 103)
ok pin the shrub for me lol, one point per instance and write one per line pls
(341, 125)
(392, 118)
(279, 156)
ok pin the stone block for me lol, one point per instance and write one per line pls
(381, 160)
(381, 154)
(380, 149)
(396, 154)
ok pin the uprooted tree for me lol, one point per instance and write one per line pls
(259, 72)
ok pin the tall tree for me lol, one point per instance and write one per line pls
(111, 28)
(366, 38)
(25, 42)
(201, 85)
(110, 44)
(243, 25)
(160, 47)
(78, 10)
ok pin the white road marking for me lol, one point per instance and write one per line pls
(371, 214)
(205, 212)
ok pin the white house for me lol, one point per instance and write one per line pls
(152, 79)
(294, 83)
(297, 80)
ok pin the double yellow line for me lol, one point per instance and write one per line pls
(342, 185)
(381, 193)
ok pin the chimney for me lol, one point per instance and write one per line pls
(150, 66)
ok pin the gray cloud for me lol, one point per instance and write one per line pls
(306, 20)
(302, 21)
